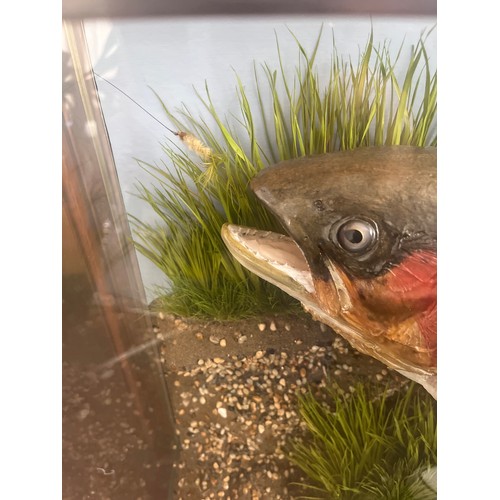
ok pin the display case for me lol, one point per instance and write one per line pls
(184, 374)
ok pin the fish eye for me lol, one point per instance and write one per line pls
(355, 235)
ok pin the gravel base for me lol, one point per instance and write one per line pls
(237, 411)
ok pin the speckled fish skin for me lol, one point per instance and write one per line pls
(382, 300)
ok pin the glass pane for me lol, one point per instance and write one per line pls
(118, 437)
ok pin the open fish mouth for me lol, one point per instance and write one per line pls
(272, 256)
(279, 260)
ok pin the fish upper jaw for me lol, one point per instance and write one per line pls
(272, 256)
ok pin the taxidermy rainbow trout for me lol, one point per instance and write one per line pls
(360, 254)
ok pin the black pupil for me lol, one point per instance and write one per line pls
(353, 236)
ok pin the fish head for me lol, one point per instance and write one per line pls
(360, 249)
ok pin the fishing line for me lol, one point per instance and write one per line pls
(191, 142)
(136, 103)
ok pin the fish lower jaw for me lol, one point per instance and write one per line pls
(272, 256)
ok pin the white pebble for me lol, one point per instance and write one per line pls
(222, 412)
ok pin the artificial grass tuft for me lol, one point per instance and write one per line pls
(367, 444)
